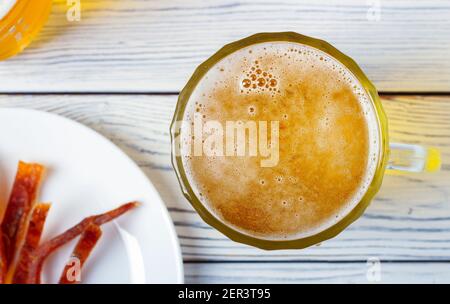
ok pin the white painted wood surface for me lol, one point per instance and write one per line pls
(142, 46)
(154, 46)
(408, 221)
(306, 273)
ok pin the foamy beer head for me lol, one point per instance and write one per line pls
(304, 178)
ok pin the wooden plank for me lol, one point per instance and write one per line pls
(306, 273)
(154, 46)
(408, 220)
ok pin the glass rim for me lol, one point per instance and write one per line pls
(355, 212)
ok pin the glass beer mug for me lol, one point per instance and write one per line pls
(20, 22)
(393, 157)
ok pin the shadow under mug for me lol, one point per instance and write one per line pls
(391, 156)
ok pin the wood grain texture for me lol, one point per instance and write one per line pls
(408, 221)
(307, 273)
(154, 46)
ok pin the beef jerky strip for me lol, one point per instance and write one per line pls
(46, 249)
(32, 239)
(22, 198)
(84, 247)
(3, 267)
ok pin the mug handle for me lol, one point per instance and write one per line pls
(413, 158)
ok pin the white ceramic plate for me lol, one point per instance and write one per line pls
(87, 175)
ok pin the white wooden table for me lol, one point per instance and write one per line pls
(120, 68)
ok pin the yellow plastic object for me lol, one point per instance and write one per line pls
(433, 160)
(21, 24)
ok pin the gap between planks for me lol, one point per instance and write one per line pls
(150, 93)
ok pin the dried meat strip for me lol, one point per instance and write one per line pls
(84, 247)
(3, 267)
(22, 198)
(31, 242)
(46, 249)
